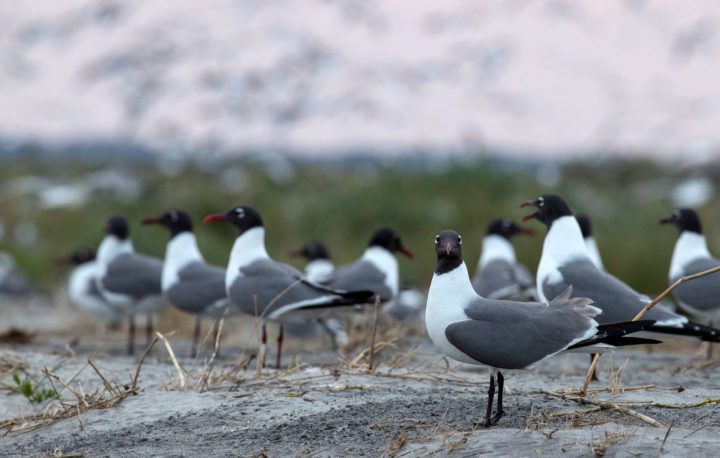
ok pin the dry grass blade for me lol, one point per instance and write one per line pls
(642, 313)
(607, 405)
(181, 372)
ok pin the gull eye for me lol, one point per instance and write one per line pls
(173, 215)
(459, 239)
(240, 212)
(437, 239)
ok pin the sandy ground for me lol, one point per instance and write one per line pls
(413, 404)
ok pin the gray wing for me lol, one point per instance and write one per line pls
(701, 294)
(134, 275)
(617, 300)
(514, 335)
(360, 275)
(93, 290)
(199, 287)
(501, 279)
(265, 287)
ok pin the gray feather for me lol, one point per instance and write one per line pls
(617, 300)
(200, 286)
(134, 275)
(514, 335)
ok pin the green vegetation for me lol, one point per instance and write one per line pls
(33, 391)
(342, 206)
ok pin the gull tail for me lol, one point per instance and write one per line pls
(615, 335)
(705, 333)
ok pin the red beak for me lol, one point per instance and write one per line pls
(527, 230)
(408, 254)
(147, 221)
(295, 253)
(63, 260)
(215, 218)
(448, 248)
(666, 221)
(529, 203)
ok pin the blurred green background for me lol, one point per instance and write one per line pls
(341, 205)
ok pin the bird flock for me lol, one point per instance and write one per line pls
(502, 317)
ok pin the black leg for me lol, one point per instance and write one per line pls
(263, 341)
(594, 376)
(491, 395)
(149, 329)
(131, 334)
(499, 413)
(279, 350)
(196, 337)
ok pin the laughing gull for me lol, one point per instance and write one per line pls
(188, 282)
(319, 267)
(587, 233)
(499, 275)
(505, 334)
(376, 270)
(82, 289)
(319, 264)
(270, 290)
(700, 297)
(565, 261)
(129, 281)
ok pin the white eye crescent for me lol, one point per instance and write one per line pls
(459, 239)
(437, 239)
(240, 212)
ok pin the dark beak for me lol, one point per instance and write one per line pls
(148, 221)
(64, 260)
(215, 218)
(526, 231)
(448, 248)
(669, 220)
(296, 253)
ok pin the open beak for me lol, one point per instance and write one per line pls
(407, 253)
(526, 230)
(530, 203)
(148, 221)
(669, 220)
(215, 218)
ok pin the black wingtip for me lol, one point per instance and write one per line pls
(702, 332)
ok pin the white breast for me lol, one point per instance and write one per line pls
(319, 269)
(110, 248)
(563, 243)
(594, 253)
(689, 247)
(248, 248)
(496, 248)
(79, 284)
(181, 250)
(386, 262)
(448, 295)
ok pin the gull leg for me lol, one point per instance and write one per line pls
(499, 413)
(196, 337)
(279, 349)
(149, 329)
(491, 394)
(131, 334)
(329, 332)
(594, 377)
(263, 345)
